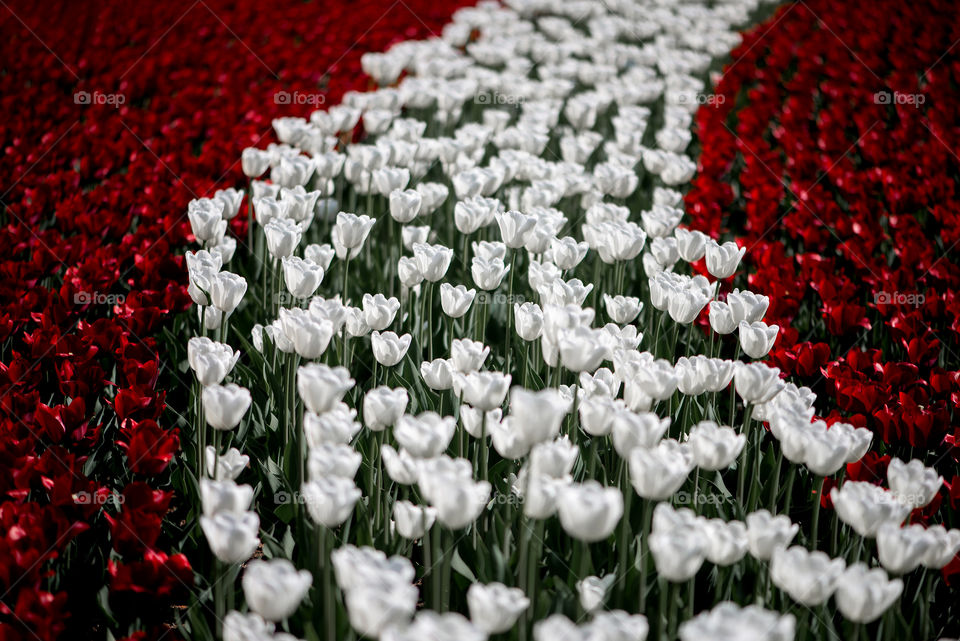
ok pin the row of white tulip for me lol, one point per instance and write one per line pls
(545, 189)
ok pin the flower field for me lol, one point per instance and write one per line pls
(524, 320)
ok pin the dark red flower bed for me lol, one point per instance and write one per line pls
(831, 153)
(115, 115)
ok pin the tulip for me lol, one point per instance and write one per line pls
(434, 260)
(309, 335)
(808, 577)
(412, 521)
(254, 162)
(473, 420)
(336, 425)
(597, 414)
(321, 255)
(723, 260)
(400, 466)
(945, 545)
(677, 555)
(436, 627)
(411, 235)
(321, 387)
(382, 407)
(529, 320)
(567, 253)
(582, 349)
(725, 541)
(467, 355)
(483, 390)
(268, 209)
(659, 472)
(488, 274)
(232, 537)
(862, 595)
(274, 589)
(514, 226)
(747, 306)
(226, 467)
(603, 382)
(283, 236)
(375, 608)
(622, 309)
(865, 507)
(226, 291)
(333, 459)
(902, 549)
(426, 435)
(225, 405)
(224, 496)
(632, 430)
(592, 592)
(589, 511)
(437, 374)
(756, 339)
(538, 414)
(408, 271)
(722, 319)
(458, 500)
(225, 248)
(691, 244)
(379, 311)
(766, 533)
(715, 447)
(301, 277)
(330, 499)
(405, 205)
(388, 348)
(352, 230)
(756, 382)
(231, 199)
(456, 300)
(730, 622)
(914, 484)
(244, 627)
(356, 325)
(495, 608)
(210, 361)
(206, 219)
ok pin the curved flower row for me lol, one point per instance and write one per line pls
(105, 108)
(835, 163)
(526, 170)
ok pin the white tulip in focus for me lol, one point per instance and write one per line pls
(388, 348)
(225, 405)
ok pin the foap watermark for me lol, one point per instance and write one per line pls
(98, 298)
(97, 498)
(312, 98)
(99, 98)
(497, 98)
(898, 98)
(701, 99)
(911, 299)
(703, 498)
(499, 298)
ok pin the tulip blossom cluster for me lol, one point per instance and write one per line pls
(104, 119)
(584, 422)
